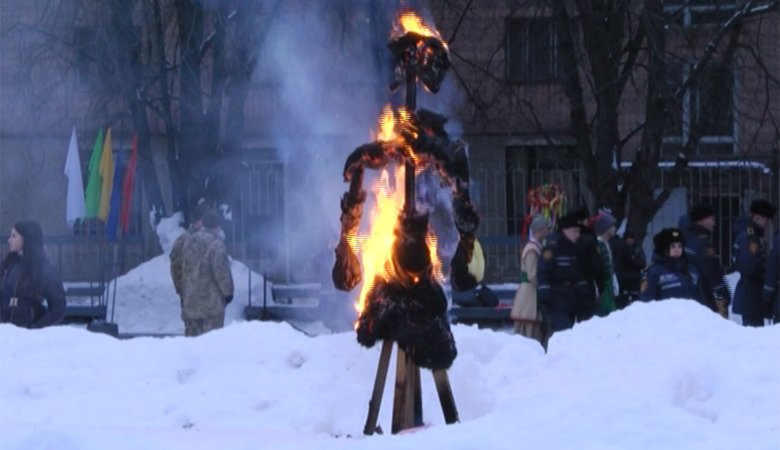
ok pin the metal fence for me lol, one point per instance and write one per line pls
(499, 191)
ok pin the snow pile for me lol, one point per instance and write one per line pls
(654, 376)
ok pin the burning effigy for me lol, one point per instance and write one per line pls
(402, 299)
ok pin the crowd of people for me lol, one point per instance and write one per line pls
(583, 269)
(32, 294)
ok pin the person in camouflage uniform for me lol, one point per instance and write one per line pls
(201, 274)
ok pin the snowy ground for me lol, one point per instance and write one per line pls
(663, 375)
(654, 376)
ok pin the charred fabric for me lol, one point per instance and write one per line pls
(410, 308)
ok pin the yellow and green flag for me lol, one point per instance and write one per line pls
(94, 183)
(107, 176)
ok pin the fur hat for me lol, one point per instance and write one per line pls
(665, 238)
(211, 220)
(700, 212)
(580, 213)
(568, 221)
(763, 208)
(602, 222)
(538, 223)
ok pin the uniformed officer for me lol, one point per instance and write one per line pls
(670, 275)
(749, 258)
(591, 266)
(771, 291)
(697, 227)
(562, 287)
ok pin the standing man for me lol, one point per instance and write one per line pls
(201, 274)
(561, 284)
(749, 257)
(772, 280)
(591, 267)
(630, 263)
(697, 227)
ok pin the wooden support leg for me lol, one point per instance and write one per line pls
(403, 405)
(445, 396)
(418, 413)
(379, 387)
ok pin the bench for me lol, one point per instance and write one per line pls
(484, 317)
(96, 309)
(283, 307)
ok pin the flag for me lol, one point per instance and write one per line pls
(127, 187)
(107, 175)
(112, 223)
(93, 184)
(75, 208)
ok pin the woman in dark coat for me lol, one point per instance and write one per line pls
(31, 293)
(670, 275)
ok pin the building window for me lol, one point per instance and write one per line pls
(706, 109)
(532, 50)
(691, 13)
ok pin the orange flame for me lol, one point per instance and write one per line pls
(375, 247)
(411, 22)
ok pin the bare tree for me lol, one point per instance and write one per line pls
(177, 69)
(627, 70)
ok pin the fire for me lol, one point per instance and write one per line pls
(387, 121)
(375, 247)
(411, 22)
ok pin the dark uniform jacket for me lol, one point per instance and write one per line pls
(561, 282)
(749, 259)
(630, 260)
(670, 278)
(23, 306)
(771, 291)
(700, 251)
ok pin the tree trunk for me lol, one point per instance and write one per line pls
(643, 174)
(129, 65)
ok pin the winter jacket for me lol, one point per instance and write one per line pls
(23, 305)
(563, 288)
(701, 254)
(200, 269)
(749, 259)
(670, 278)
(771, 290)
(629, 265)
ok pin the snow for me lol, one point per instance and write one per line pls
(657, 375)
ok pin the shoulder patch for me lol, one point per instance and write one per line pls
(548, 254)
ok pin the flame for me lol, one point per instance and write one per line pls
(387, 121)
(377, 247)
(411, 22)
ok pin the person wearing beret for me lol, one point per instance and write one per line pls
(563, 287)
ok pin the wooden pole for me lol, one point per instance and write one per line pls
(403, 404)
(445, 396)
(379, 387)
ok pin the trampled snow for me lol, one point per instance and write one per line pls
(661, 375)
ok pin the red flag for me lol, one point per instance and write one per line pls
(127, 187)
